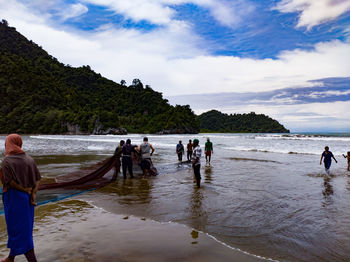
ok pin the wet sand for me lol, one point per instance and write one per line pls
(73, 230)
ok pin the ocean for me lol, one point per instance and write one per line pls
(265, 195)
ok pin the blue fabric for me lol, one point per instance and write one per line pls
(327, 157)
(19, 216)
(327, 165)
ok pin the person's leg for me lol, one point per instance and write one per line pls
(130, 167)
(10, 258)
(197, 174)
(327, 166)
(30, 256)
(125, 165)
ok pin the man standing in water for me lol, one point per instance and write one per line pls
(145, 151)
(180, 151)
(127, 151)
(189, 150)
(196, 161)
(208, 151)
(327, 155)
(117, 153)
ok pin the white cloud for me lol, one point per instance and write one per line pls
(153, 11)
(329, 93)
(314, 12)
(169, 58)
(170, 61)
(72, 11)
(161, 12)
(302, 117)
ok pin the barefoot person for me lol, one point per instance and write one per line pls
(208, 151)
(196, 161)
(180, 150)
(127, 150)
(189, 150)
(146, 150)
(117, 153)
(348, 158)
(21, 179)
(327, 155)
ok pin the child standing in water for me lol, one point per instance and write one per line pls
(348, 157)
(327, 155)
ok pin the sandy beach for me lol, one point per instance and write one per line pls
(102, 236)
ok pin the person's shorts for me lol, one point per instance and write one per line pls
(208, 153)
(145, 164)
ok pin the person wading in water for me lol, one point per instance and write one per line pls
(146, 150)
(127, 151)
(117, 152)
(189, 150)
(196, 161)
(327, 155)
(208, 151)
(180, 150)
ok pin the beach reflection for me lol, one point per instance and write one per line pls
(208, 178)
(328, 188)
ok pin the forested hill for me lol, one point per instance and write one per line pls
(38, 94)
(215, 121)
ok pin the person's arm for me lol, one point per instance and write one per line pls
(14, 185)
(344, 156)
(334, 158)
(152, 149)
(321, 159)
(33, 195)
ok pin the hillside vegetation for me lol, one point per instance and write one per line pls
(215, 121)
(38, 94)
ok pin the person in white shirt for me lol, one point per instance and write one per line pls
(196, 161)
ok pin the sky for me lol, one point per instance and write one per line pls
(289, 59)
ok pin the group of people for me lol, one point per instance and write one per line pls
(21, 179)
(327, 159)
(180, 150)
(194, 154)
(129, 152)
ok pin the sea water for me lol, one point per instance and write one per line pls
(265, 194)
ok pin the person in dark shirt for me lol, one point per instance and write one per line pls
(127, 151)
(189, 150)
(21, 178)
(327, 155)
(118, 152)
(180, 151)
